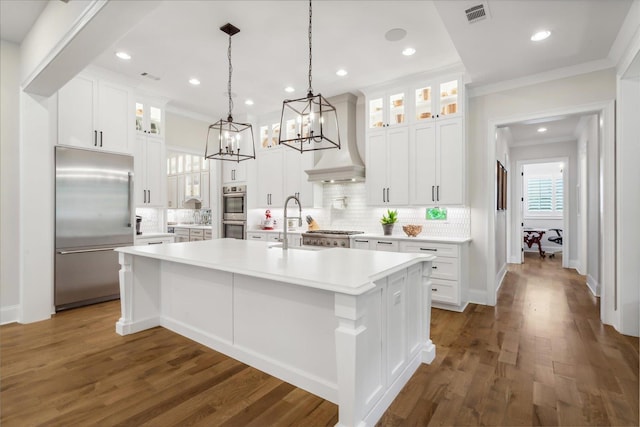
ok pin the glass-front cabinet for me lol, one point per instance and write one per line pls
(438, 99)
(387, 109)
(269, 136)
(150, 117)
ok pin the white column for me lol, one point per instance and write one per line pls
(140, 289)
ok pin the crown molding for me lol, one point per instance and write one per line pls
(557, 74)
(627, 43)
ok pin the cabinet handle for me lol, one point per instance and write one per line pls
(144, 196)
(432, 193)
(383, 197)
(434, 267)
(149, 196)
(155, 243)
(388, 198)
(100, 138)
(429, 249)
(95, 138)
(384, 243)
(438, 192)
(434, 290)
(361, 241)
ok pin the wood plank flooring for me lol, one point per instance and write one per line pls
(540, 357)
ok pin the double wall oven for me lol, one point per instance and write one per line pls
(234, 211)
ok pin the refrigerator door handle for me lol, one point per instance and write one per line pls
(129, 201)
(81, 251)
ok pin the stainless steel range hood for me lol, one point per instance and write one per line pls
(345, 164)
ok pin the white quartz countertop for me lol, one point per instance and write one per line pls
(348, 271)
(276, 231)
(412, 239)
(199, 226)
(153, 235)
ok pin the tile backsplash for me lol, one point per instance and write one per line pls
(152, 220)
(344, 207)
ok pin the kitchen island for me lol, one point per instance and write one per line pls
(348, 325)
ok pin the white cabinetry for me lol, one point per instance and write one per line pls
(437, 162)
(157, 240)
(270, 178)
(182, 234)
(149, 163)
(383, 245)
(150, 116)
(94, 113)
(172, 192)
(388, 167)
(449, 276)
(416, 132)
(234, 172)
(188, 177)
(295, 178)
(359, 243)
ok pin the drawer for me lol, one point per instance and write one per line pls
(208, 234)
(359, 243)
(256, 236)
(196, 232)
(196, 238)
(274, 237)
(438, 249)
(445, 268)
(181, 232)
(445, 291)
(154, 241)
(384, 245)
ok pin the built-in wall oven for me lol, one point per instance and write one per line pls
(234, 211)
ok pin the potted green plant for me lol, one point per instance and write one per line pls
(388, 219)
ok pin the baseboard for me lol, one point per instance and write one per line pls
(573, 263)
(593, 285)
(9, 314)
(477, 297)
(500, 277)
(514, 260)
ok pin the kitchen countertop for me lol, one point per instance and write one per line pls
(413, 239)
(340, 270)
(153, 235)
(200, 226)
(277, 230)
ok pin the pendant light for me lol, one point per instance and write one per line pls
(234, 141)
(309, 123)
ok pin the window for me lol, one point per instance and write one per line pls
(544, 195)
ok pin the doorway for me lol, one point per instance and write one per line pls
(543, 191)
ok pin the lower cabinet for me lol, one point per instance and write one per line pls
(139, 241)
(295, 239)
(182, 234)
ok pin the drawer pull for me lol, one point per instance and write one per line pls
(361, 241)
(434, 289)
(434, 267)
(385, 243)
(429, 249)
(155, 243)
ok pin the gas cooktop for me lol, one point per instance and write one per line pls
(336, 232)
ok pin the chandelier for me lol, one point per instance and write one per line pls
(234, 140)
(309, 123)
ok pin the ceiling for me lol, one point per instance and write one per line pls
(181, 39)
(558, 129)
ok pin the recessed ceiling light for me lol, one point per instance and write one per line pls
(194, 81)
(123, 55)
(289, 89)
(341, 72)
(542, 130)
(540, 35)
(248, 102)
(408, 51)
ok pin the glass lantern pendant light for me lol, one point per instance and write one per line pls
(234, 141)
(309, 123)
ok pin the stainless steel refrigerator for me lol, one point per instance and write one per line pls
(94, 215)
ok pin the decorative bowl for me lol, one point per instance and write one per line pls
(412, 230)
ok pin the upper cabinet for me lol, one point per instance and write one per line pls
(387, 108)
(234, 172)
(188, 176)
(150, 116)
(94, 113)
(415, 143)
(149, 168)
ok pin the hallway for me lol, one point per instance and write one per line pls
(540, 357)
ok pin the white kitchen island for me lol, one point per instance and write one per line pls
(348, 325)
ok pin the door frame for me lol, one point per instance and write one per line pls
(566, 211)
(606, 114)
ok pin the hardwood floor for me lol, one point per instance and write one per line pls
(540, 357)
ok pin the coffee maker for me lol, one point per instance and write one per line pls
(138, 221)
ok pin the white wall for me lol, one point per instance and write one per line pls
(503, 139)
(628, 205)
(9, 181)
(186, 132)
(506, 107)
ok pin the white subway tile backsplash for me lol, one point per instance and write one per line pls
(345, 208)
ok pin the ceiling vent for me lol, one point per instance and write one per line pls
(150, 76)
(477, 13)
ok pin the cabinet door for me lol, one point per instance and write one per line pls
(450, 189)
(155, 173)
(398, 166)
(180, 186)
(384, 245)
(172, 192)
(357, 243)
(270, 187)
(204, 190)
(75, 113)
(295, 177)
(234, 172)
(139, 166)
(376, 182)
(113, 117)
(424, 164)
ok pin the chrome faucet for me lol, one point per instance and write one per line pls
(285, 243)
